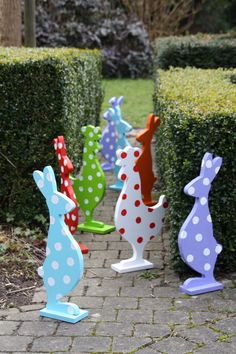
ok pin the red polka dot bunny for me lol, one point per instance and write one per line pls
(135, 221)
(66, 167)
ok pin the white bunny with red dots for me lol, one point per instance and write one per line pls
(135, 221)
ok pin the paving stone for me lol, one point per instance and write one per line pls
(155, 304)
(117, 282)
(77, 329)
(31, 307)
(217, 348)
(8, 327)
(98, 315)
(137, 292)
(227, 325)
(51, 344)
(205, 317)
(14, 343)
(6, 312)
(146, 350)
(174, 317)
(88, 302)
(127, 344)
(230, 294)
(167, 291)
(91, 344)
(135, 316)
(40, 297)
(199, 334)
(114, 329)
(37, 328)
(101, 273)
(25, 316)
(121, 303)
(117, 246)
(101, 255)
(225, 306)
(193, 304)
(94, 263)
(151, 330)
(173, 345)
(97, 246)
(102, 291)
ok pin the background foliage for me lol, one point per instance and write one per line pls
(44, 93)
(198, 114)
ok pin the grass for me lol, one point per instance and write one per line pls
(137, 99)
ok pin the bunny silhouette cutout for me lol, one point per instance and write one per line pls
(63, 266)
(197, 245)
(134, 220)
(122, 128)
(144, 162)
(108, 143)
(90, 186)
(66, 167)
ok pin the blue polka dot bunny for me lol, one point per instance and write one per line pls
(197, 245)
(63, 266)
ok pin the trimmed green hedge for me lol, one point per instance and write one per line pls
(198, 114)
(200, 51)
(43, 93)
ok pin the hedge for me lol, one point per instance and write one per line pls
(43, 93)
(200, 51)
(198, 114)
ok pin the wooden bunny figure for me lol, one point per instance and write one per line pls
(90, 186)
(108, 143)
(135, 221)
(63, 267)
(66, 167)
(197, 245)
(122, 127)
(144, 162)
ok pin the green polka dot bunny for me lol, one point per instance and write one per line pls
(90, 186)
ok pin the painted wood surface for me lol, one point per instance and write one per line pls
(135, 221)
(197, 245)
(144, 162)
(66, 167)
(108, 143)
(63, 267)
(90, 186)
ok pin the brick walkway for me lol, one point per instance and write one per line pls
(128, 314)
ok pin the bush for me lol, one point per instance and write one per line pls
(43, 93)
(97, 24)
(198, 114)
(200, 51)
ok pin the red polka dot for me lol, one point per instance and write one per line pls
(135, 169)
(165, 205)
(136, 187)
(136, 153)
(152, 225)
(123, 176)
(137, 203)
(150, 210)
(124, 196)
(123, 155)
(122, 231)
(123, 212)
(139, 239)
(138, 220)
(152, 237)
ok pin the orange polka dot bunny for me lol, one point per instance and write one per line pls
(135, 221)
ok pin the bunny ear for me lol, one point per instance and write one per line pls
(120, 100)
(49, 180)
(206, 162)
(217, 162)
(113, 101)
(107, 115)
(40, 181)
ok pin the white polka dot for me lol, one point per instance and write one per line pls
(84, 163)
(206, 251)
(65, 162)
(70, 310)
(83, 129)
(55, 146)
(217, 169)
(81, 178)
(66, 279)
(96, 199)
(195, 220)
(66, 183)
(81, 189)
(59, 156)
(73, 217)
(49, 177)
(198, 237)
(55, 265)
(209, 218)
(68, 207)
(61, 180)
(96, 151)
(58, 246)
(51, 281)
(68, 216)
(191, 190)
(90, 157)
(113, 134)
(98, 174)
(86, 201)
(90, 143)
(91, 134)
(90, 178)
(107, 156)
(62, 169)
(93, 166)
(85, 149)
(100, 186)
(203, 201)
(112, 123)
(190, 258)
(64, 192)
(72, 228)
(52, 220)
(87, 212)
(183, 234)
(208, 163)
(40, 271)
(59, 145)
(218, 249)
(107, 140)
(58, 296)
(111, 147)
(54, 199)
(95, 130)
(70, 261)
(90, 189)
(113, 158)
(206, 181)
(48, 251)
(207, 266)
(40, 183)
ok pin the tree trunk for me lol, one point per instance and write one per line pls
(29, 19)
(10, 23)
